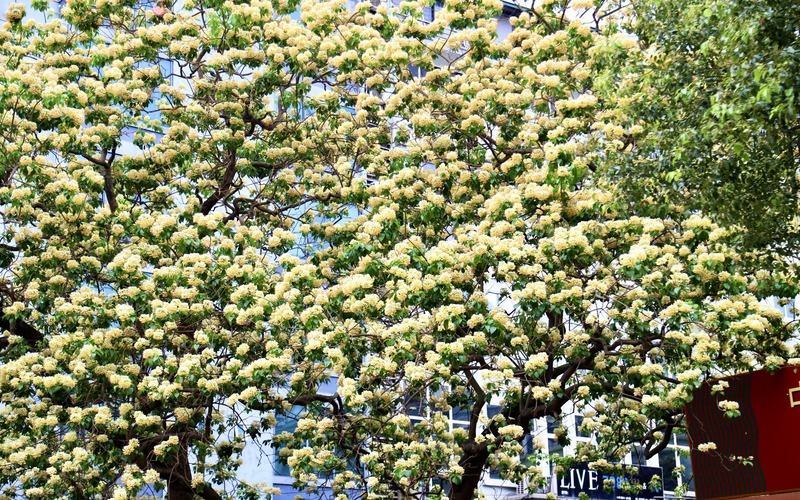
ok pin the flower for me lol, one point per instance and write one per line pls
(706, 447)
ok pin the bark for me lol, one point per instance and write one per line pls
(20, 328)
(178, 472)
(473, 461)
(179, 482)
(179, 490)
(179, 485)
(225, 183)
(476, 455)
(108, 188)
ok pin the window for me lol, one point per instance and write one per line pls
(528, 448)
(288, 423)
(674, 455)
(553, 445)
(462, 413)
(552, 424)
(554, 448)
(417, 72)
(491, 412)
(578, 432)
(418, 409)
(303, 110)
(788, 309)
(638, 456)
(285, 423)
(429, 13)
(666, 459)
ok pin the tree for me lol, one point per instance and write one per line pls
(194, 250)
(717, 99)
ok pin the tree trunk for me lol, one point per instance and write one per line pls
(179, 481)
(178, 489)
(476, 456)
(474, 461)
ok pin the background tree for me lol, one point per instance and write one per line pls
(717, 97)
(302, 210)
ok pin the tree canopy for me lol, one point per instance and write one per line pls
(212, 212)
(716, 94)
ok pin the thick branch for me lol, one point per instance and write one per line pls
(20, 328)
(178, 475)
(108, 177)
(225, 184)
(666, 438)
(181, 487)
(305, 400)
(108, 188)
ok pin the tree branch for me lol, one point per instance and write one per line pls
(21, 329)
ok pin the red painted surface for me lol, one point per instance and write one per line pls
(768, 430)
(778, 427)
(794, 495)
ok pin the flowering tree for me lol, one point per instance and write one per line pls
(211, 210)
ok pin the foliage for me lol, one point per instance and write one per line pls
(300, 210)
(717, 96)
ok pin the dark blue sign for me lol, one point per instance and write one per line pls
(582, 479)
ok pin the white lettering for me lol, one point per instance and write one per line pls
(581, 478)
(592, 479)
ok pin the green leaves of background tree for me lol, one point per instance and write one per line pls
(717, 97)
